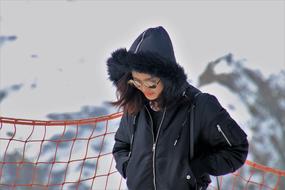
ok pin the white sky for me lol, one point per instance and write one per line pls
(73, 39)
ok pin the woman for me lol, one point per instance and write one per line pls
(171, 136)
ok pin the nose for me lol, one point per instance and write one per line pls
(143, 88)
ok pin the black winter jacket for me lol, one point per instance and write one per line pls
(162, 162)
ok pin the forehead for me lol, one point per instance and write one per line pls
(142, 76)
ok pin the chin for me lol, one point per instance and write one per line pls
(151, 97)
(154, 97)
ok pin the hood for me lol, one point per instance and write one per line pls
(152, 53)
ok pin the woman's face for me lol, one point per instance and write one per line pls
(149, 85)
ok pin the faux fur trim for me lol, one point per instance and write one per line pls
(122, 62)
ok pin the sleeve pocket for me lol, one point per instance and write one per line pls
(231, 132)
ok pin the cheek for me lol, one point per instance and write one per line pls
(159, 90)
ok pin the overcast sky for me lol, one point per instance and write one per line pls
(62, 46)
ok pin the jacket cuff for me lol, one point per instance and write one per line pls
(121, 166)
(124, 169)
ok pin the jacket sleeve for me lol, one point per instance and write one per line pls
(121, 147)
(227, 142)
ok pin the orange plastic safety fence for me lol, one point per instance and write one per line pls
(59, 155)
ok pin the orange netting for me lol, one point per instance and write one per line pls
(77, 155)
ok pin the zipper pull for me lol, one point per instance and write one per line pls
(224, 135)
(176, 140)
(219, 128)
(153, 147)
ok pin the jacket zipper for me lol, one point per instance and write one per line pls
(154, 143)
(222, 132)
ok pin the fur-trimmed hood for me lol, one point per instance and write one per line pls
(152, 52)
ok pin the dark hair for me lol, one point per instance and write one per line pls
(132, 100)
(129, 98)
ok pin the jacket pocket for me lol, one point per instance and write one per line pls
(223, 134)
(231, 132)
(177, 139)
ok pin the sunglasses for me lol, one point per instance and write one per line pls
(137, 84)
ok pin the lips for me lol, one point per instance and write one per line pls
(149, 94)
